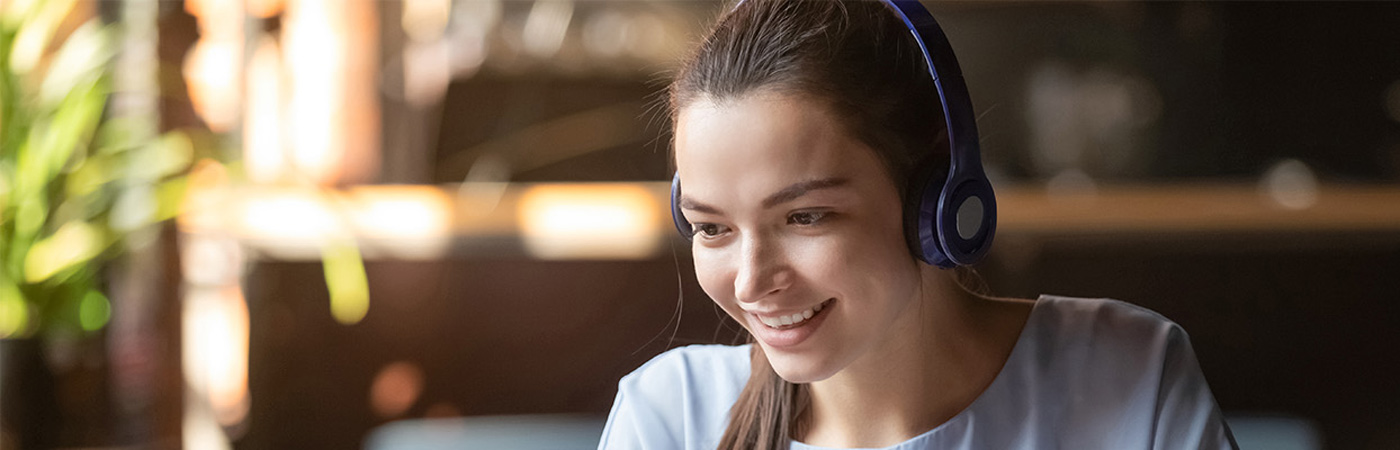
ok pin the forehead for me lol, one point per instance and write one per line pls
(759, 143)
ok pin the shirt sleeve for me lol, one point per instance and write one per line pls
(633, 424)
(621, 430)
(679, 400)
(1187, 415)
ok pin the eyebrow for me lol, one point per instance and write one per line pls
(787, 194)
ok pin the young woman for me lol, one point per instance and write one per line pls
(812, 152)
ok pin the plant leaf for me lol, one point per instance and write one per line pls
(73, 244)
(14, 311)
(35, 32)
(82, 58)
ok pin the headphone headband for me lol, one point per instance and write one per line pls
(955, 217)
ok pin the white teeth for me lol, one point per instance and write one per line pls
(796, 318)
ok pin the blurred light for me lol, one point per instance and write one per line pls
(427, 70)
(205, 206)
(442, 410)
(417, 219)
(264, 9)
(215, 349)
(1290, 184)
(262, 130)
(330, 51)
(485, 184)
(315, 56)
(546, 26)
(648, 37)
(94, 311)
(213, 68)
(289, 215)
(425, 20)
(211, 72)
(1093, 119)
(395, 389)
(606, 33)
(210, 260)
(1392, 101)
(472, 23)
(200, 430)
(1071, 183)
(597, 221)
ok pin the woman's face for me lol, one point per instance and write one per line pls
(799, 234)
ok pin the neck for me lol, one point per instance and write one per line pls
(935, 363)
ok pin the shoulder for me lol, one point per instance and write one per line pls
(679, 399)
(1105, 323)
(1102, 346)
(1105, 355)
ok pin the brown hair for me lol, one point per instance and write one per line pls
(857, 58)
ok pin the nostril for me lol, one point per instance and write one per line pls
(754, 287)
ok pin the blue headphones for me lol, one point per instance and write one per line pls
(949, 221)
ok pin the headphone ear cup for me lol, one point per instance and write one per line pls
(677, 217)
(925, 186)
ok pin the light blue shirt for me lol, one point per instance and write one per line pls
(1084, 374)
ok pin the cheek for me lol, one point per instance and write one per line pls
(715, 277)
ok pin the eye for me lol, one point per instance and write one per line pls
(707, 230)
(806, 217)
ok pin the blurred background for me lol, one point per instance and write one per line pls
(266, 224)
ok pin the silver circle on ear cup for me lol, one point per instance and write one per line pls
(970, 218)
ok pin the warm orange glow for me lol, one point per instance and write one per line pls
(587, 221)
(330, 56)
(212, 74)
(315, 57)
(442, 410)
(213, 67)
(216, 349)
(264, 8)
(263, 154)
(396, 388)
(206, 196)
(399, 221)
(424, 20)
(291, 215)
(417, 219)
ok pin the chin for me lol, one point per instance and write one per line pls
(799, 369)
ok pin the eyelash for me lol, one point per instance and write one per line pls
(812, 218)
(698, 230)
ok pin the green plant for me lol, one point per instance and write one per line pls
(78, 181)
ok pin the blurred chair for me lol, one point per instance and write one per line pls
(1274, 432)
(522, 432)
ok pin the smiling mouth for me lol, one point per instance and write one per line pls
(794, 320)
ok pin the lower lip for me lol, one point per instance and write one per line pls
(788, 337)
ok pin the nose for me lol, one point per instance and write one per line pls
(763, 270)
